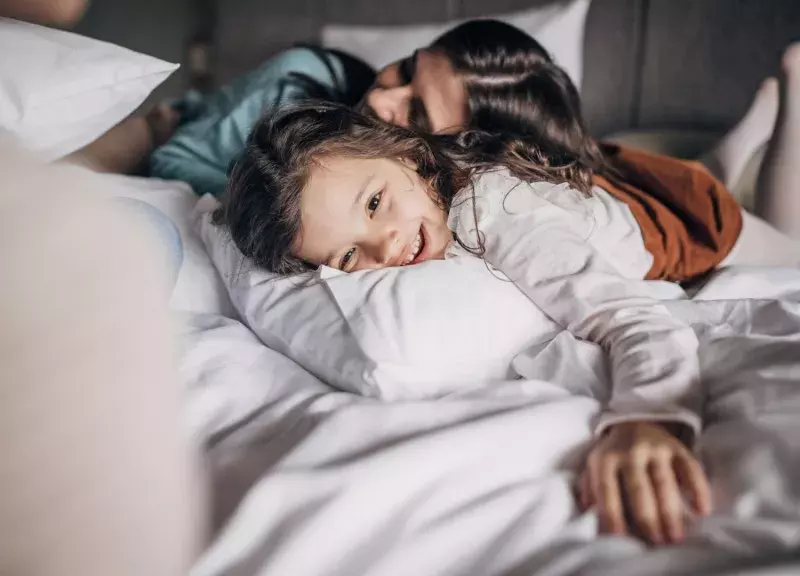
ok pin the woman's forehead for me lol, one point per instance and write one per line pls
(441, 89)
(437, 88)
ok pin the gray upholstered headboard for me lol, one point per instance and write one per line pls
(648, 63)
(681, 63)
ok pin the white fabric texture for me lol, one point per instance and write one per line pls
(437, 327)
(257, 379)
(558, 26)
(59, 91)
(294, 317)
(198, 287)
(397, 333)
(759, 243)
(582, 261)
(318, 482)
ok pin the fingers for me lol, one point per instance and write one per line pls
(585, 499)
(605, 490)
(162, 120)
(642, 498)
(694, 480)
(668, 496)
(583, 492)
(654, 469)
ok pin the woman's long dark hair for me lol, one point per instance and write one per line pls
(515, 91)
(261, 205)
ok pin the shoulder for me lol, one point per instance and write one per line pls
(500, 188)
(496, 181)
(496, 197)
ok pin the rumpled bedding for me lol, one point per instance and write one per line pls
(309, 480)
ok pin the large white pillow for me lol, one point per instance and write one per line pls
(558, 26)
(299, 320)
(413, 332)
(59, 91)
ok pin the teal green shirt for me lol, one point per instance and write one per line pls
(214, 128)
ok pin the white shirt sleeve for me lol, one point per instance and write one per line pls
(546, 249)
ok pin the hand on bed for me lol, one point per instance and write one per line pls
(640, 470)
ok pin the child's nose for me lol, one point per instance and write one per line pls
(389, 249)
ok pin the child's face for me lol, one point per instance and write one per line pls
(359, 214)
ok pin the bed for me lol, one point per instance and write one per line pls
(310, 479)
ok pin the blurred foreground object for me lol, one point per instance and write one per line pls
(97, 476)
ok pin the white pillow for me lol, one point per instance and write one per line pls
(59, 91)
(198, 287)
(395, 333)
(559, 27)
(299, 320)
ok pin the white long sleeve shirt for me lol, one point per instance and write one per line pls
(582, 261)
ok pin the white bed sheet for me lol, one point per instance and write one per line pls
(310, 481)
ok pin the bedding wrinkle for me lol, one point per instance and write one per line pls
(405, 487)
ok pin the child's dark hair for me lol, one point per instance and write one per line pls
(261, 205)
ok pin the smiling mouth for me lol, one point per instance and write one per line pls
(417, 247)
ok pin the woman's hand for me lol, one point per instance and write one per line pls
(126, 148)
(652, 469)
(162, 121)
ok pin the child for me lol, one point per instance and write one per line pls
(323, 185)
(574, 224)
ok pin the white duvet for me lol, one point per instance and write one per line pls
(310, 481)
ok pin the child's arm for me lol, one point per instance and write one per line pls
(543, 249)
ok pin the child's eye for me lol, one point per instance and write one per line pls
(347, 258)
(374, 202)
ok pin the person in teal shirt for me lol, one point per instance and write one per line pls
(213, 128)
(441, 87)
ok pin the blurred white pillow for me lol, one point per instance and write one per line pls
(397, 333)
(198, 287)
(59, 91)
(559, 27)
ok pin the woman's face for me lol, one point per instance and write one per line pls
(422, 92)
(359, 214)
